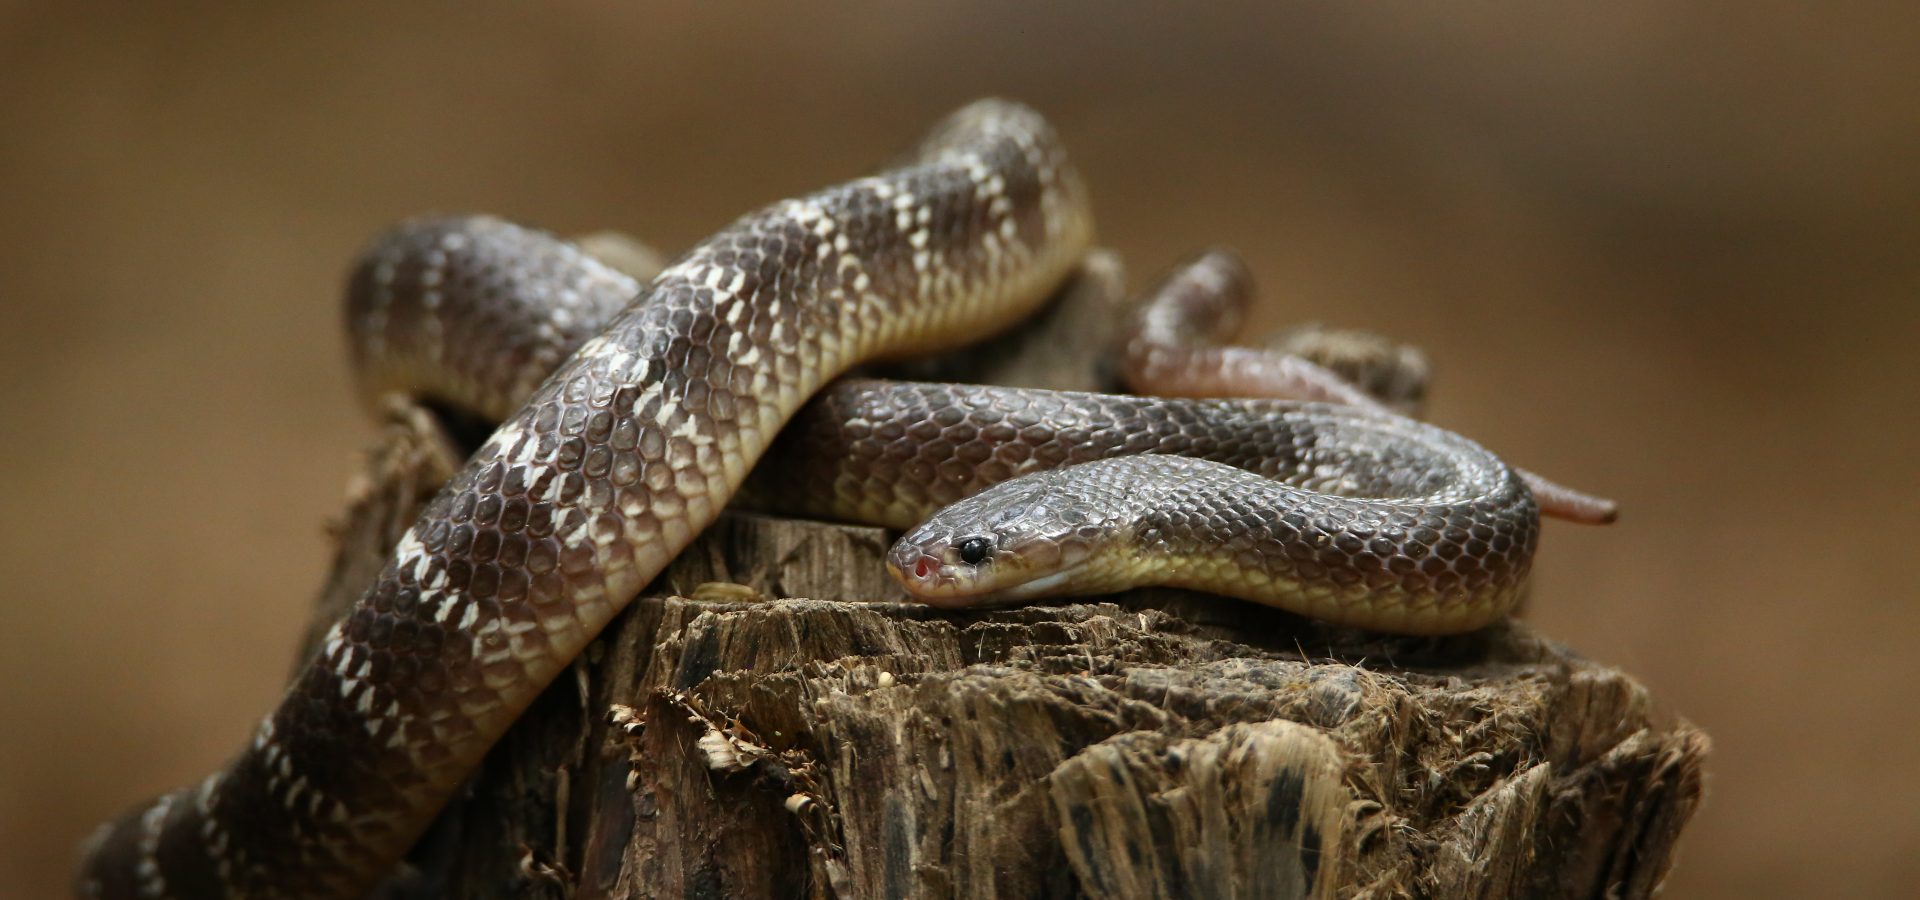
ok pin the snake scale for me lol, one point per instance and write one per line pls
(604, 470)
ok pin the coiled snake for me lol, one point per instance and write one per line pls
(637, 440)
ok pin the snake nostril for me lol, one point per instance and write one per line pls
(923, 568)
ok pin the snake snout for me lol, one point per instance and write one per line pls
(921, 572)
(928, 579)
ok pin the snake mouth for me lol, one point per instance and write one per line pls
(934, 581)
(925, 578)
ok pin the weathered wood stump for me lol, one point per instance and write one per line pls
(717, 742)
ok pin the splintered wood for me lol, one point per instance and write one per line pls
(719, 741)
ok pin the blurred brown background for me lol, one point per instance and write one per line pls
(1663, 250)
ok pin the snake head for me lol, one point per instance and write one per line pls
(1031, 537)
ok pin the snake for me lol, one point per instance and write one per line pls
(612, 466)
(633, 412)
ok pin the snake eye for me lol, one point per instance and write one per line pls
(974, 550)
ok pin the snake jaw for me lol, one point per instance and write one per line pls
(947, 585)
(928, 578)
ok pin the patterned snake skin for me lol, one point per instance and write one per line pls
(460, 308)
(587, 491)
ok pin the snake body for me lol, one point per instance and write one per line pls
(665, 393)
(588, 490)
(470, 309)
(1410, 528)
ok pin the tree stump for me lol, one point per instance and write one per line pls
(723, 739)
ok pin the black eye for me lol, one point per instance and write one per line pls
(974, 549)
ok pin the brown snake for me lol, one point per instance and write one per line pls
(637, 440)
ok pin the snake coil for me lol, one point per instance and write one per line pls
(662, 398)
